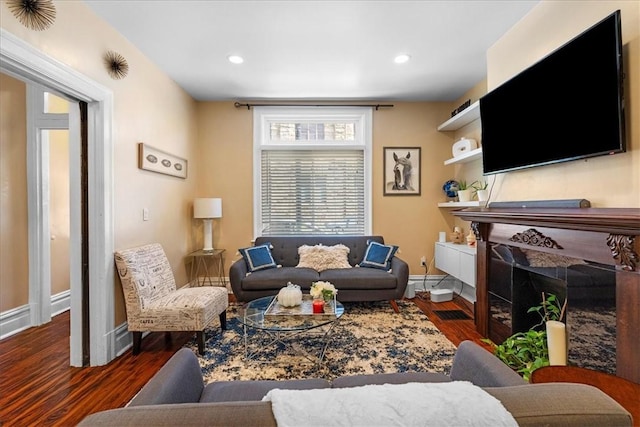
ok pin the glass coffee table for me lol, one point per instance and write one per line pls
(261, 319)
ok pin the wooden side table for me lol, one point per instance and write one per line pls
(623, 391)
(199, 265)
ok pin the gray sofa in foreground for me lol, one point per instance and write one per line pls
(353, 284)
(177, 395)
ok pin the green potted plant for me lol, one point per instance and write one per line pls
(524, 352)
(465, 191)
(481, 190)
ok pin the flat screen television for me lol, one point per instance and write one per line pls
(567, 106)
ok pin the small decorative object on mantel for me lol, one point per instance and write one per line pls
(34, 14)
(456, 236)
(117, 66)
(471, 239)
(290, 296)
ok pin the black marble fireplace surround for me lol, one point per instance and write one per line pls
(588, 255)
(517, 280)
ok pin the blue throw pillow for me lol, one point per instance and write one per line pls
(258, 257)
(378, 256)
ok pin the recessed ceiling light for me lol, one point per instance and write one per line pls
(235, 59)
(401, 59)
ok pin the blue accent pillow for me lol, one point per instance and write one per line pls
(378, 256)
(258, 257)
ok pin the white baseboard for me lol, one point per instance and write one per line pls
(60, 302)
(18, 319)
(14, 321)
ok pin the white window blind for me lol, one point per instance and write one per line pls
(313, 192)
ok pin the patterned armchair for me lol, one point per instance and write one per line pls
(154, 304)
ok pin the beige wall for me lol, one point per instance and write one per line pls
(411, 222)
(59, 209)
(14, 278)
(148, 107)
(609, 181)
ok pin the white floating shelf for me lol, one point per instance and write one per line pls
(472, 204)
(467, 115)
(466, 157)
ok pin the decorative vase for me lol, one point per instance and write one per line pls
(465, 195)
(471, 238)
(290, 296)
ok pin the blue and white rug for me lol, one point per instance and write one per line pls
(370, 338)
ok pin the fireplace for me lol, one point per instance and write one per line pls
(589, 255)
(519, 278)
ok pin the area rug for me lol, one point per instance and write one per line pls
(370, 338)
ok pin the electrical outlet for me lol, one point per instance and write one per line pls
(423, 261)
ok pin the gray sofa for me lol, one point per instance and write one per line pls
(177, 395)
(353, 284)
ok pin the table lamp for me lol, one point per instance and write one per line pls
(207, 209)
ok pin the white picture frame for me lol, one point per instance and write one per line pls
(155, 160)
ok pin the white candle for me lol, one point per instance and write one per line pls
(557, 343)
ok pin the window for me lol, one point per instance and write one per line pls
(314, 170)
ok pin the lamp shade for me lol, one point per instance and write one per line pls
(207, 208)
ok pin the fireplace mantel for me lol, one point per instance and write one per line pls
(605, 235)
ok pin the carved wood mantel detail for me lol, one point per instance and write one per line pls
(532, 237)
(622, 250)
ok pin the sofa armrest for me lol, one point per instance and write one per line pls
(479, 366)
(228, 414)
(400, 269)
(178, 381)
(237, 272)
(564, 404)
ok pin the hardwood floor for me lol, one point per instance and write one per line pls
(38, 387)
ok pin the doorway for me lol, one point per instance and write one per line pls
(20, 60)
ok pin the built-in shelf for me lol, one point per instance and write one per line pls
(467, 115)
(472, 204)
(466, 157)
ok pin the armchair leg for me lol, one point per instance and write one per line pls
(137, 339)
(200, 339)
(394, 304)
(223, 320)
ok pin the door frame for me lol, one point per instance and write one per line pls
(23, 61)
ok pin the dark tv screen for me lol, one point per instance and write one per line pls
(567, 106)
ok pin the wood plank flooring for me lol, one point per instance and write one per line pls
(38, 387)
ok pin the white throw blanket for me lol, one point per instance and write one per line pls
(458, 403)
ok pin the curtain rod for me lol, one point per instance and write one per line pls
(376, 106)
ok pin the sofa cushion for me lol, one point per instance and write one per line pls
(277, 278)
(359, 278)
(258, 257)
(233, 391)
(378, 255)
(320, 257)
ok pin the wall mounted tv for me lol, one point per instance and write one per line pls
(567, 106)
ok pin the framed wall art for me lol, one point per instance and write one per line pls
(155, 160)
(402, 171)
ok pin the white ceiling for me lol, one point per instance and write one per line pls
(316, 50)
